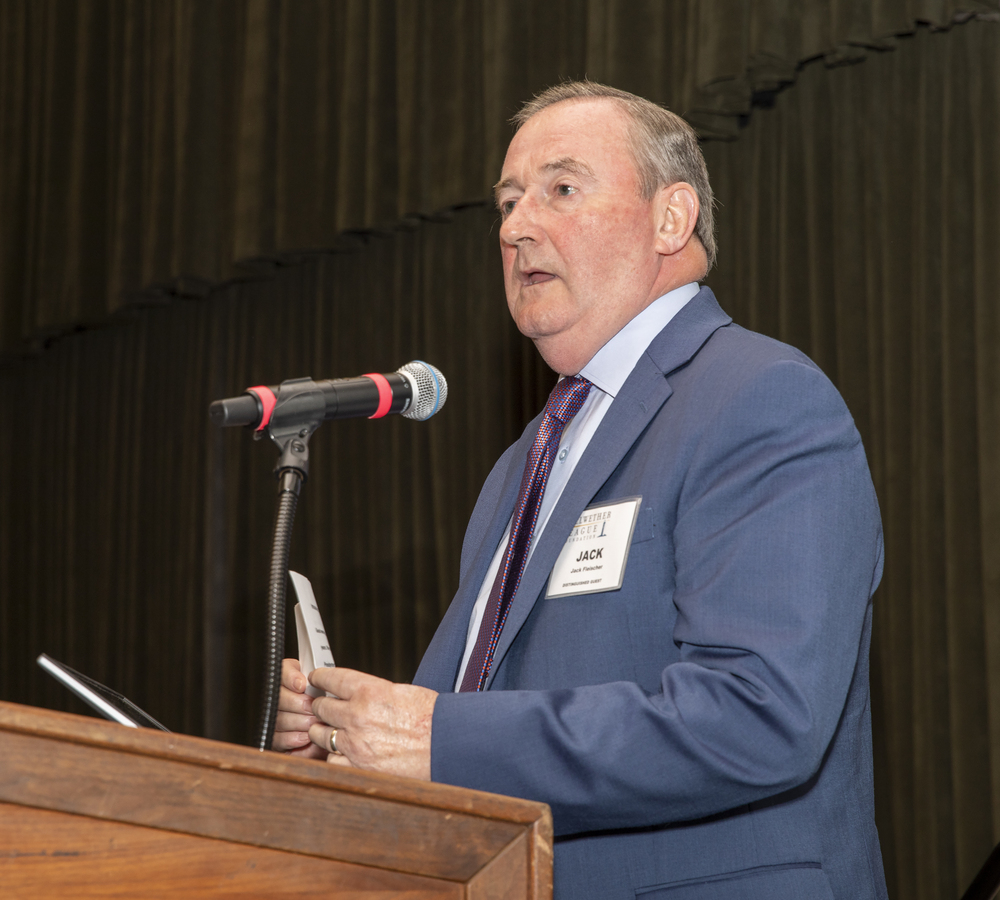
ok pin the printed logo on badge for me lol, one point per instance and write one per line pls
(594, 557)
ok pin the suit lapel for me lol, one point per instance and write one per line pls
(639, 400)
(439, 667)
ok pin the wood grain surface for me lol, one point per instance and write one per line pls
(163, 809)
(50, 854)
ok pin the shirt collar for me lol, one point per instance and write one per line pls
(611, 365)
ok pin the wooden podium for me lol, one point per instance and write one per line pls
(93, 809)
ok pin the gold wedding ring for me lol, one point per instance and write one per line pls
(333, 743)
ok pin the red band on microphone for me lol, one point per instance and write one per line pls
(384, 394)
(267, 400)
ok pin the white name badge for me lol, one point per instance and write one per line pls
(596, 550)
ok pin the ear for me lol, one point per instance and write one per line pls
(676, 210)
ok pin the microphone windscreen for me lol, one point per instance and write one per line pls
(430, 389)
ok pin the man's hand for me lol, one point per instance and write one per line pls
(295, 714)
(381, 726)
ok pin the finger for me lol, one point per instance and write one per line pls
(309, 751)
(286, 721)
(292, 677)
(342, 682)
(294, 702)
(324, 678)
(336, 759)
(320, 736)
(331, 710)
(290, 741)
(345, 683)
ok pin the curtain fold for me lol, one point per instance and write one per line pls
(745, 48)
(157, 148)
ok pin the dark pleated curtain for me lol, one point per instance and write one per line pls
(217, 194)
(157, 147)
(136, 537)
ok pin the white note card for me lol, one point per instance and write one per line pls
(594, 556)
(314, 645)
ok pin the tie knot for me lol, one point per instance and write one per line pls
(567, 397)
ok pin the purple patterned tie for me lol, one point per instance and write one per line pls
(564, 402)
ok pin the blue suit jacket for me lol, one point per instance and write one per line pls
(705, 730)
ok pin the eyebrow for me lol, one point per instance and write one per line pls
(564, 164)
(571, 165)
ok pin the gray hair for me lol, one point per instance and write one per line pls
(663, 146)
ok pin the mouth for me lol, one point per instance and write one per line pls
(535, 276)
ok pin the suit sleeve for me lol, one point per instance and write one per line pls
(776, 544)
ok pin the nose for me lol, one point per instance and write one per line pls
(521, 223)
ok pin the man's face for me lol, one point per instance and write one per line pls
(577, 239)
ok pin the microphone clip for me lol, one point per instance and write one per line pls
(298, 410)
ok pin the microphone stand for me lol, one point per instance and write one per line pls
(298, 412)
(300, 406)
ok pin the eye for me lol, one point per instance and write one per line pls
(507, 207)
(565, 190)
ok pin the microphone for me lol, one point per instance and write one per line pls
(416, 391)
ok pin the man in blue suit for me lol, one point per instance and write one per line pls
(680, 668)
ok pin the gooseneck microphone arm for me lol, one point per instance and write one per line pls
(297, 410)
(289, 414)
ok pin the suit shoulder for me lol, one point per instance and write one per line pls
(702, 332)
(742, 378)
(739, 344)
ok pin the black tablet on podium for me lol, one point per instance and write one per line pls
(107, 702)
